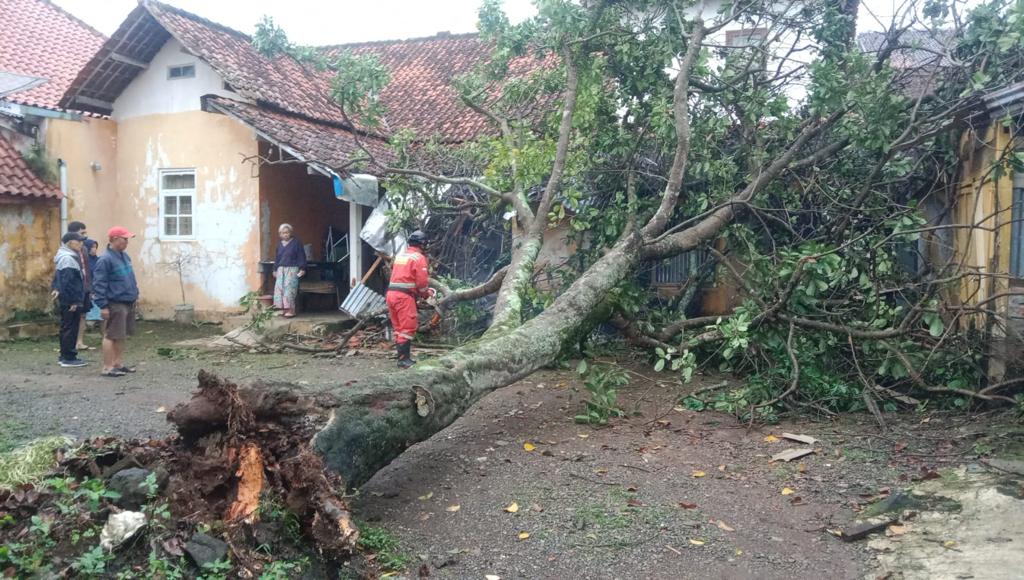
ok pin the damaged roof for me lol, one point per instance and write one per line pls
(39, 40)
(310, 141)
(18, 181)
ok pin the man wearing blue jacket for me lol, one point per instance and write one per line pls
(115, 291)
(69, 283)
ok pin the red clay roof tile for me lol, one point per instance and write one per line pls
(16, 179)
(39, 39)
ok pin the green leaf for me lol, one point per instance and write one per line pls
(660, 365)
(582, 367)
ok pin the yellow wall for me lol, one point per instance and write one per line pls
(125, 191)
(984, 200)
(29, 235)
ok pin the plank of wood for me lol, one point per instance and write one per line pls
(791, 454)
(801, 438)
(863, 529)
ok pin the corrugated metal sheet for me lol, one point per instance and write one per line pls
(677, 269)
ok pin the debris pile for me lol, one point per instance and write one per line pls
(239, 484)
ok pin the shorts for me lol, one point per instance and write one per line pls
(121, 323)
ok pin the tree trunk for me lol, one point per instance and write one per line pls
(380, 417)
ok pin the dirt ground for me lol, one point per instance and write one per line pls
(663, 493)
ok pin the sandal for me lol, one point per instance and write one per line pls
(289, 316)
(125, 369)
(112, 373)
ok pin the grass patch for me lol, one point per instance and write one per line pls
(30, 462)
(384, 545)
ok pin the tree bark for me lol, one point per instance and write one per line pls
(378, 418)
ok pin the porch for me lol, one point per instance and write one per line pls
(299, 194)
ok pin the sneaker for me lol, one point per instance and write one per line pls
(405, 363)
(73, 363)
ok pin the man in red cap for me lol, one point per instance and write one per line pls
(115, 291)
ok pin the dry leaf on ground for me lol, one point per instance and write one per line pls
(699, 473)
(529, 446)
(453, 508)
(512, 508)
(426, 497)
(788, 491)
(524, 535)
(697, 542)
(771, 439)
(724, 526)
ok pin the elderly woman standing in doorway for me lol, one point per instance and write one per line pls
(289, 266)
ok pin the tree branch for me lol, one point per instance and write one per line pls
(561, 149)
(452, 296)
(681, 113)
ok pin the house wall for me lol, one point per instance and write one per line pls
(984, 199)
(29, 235)
(89, 149)
(226, 208)
(125, 192)
(153, 93)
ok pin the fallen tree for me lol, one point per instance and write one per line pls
(691, 144)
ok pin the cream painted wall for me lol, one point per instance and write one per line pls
(88, 147)
(157, 124)
(226, 209)
(153, 93)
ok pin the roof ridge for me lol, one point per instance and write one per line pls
(78, 20)
(150, 4)
(438, 36)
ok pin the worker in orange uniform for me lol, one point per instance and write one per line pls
(409, 281)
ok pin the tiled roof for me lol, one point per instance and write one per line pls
(916, 48)
(419, 96)
(17, 180)
(280, 81)
(39, 39)
(316, 142)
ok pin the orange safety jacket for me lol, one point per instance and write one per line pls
(409, 272)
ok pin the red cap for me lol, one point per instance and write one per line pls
(119, 232)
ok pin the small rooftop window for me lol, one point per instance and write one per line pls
(184, 71)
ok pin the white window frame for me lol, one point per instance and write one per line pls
(164, 193)
(746, 37)
(181, 66)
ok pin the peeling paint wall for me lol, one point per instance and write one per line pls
(226, 209)
(124, 191)
(28, 240)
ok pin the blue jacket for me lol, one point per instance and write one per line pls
(114, 280)
(68, 280)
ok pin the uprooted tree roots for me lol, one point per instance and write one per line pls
(243, 458)
(241, 444)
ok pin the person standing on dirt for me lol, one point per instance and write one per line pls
(69, 284)
(116, 291)
(409, 281)
(289, 266)
(88, 265)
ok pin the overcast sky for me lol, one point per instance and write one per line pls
(320, 22)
